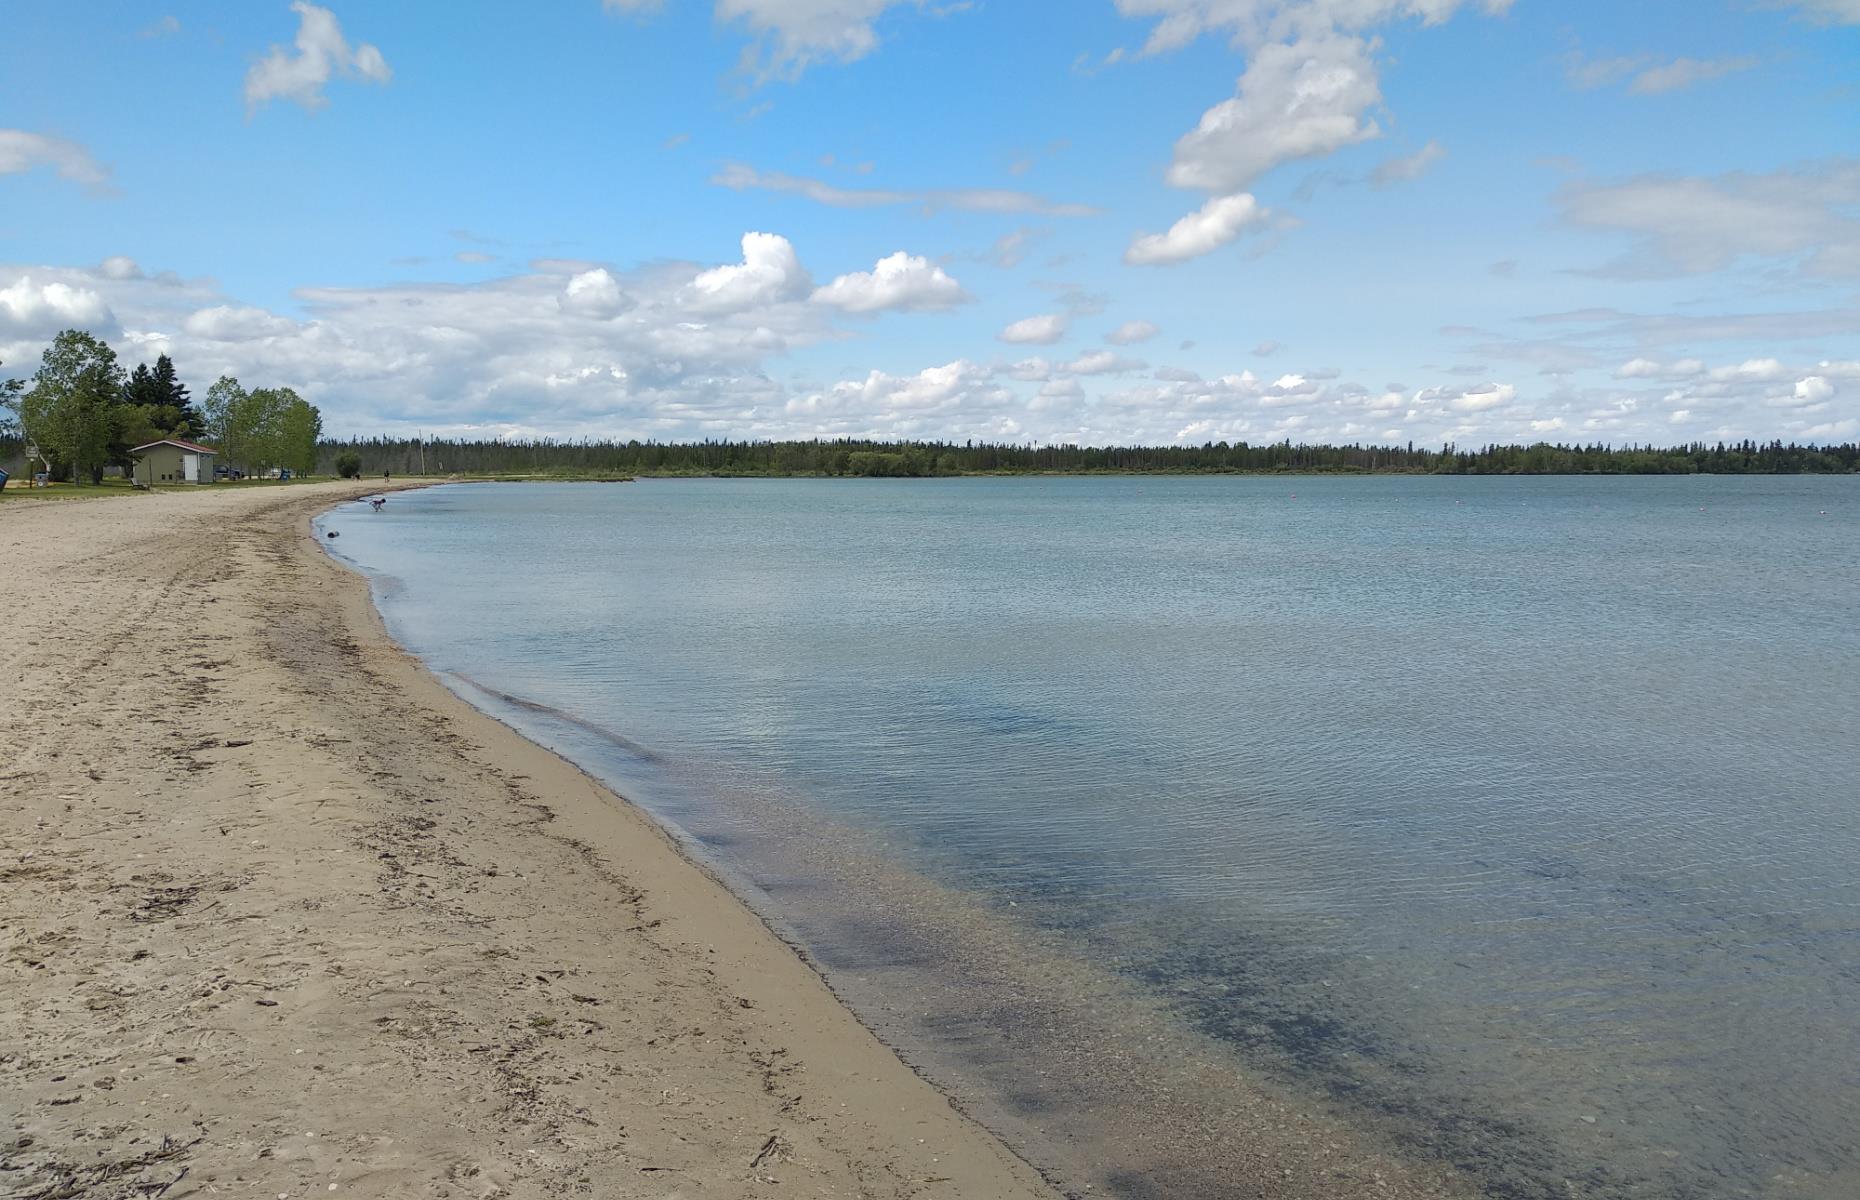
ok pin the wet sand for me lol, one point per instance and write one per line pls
(282, 916)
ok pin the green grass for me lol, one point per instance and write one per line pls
(16, 489)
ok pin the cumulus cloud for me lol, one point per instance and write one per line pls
(899, 282)
(1215, 224)
(28, 308)
(770, 272)
(958, 395)
(739, 177)
(595, 293)
(631, 357)
(1132, 332)
(21, 151)
(1694, 224)
(1296, 100)
(1476, 399)
(1814, 390)
(1042, 330)
(322, 52)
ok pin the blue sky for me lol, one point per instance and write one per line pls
(1103, 220)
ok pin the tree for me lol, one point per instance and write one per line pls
(177, 405)
(256, 427)
(224, 399)
(300, 427)
(9, 406)
(74, 408)
(349, 465)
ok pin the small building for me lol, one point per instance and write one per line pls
(172, 460)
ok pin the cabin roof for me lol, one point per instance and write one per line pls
(196, 447)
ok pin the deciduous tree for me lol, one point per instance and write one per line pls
(74, 408)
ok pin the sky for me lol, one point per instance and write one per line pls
(1035, 221)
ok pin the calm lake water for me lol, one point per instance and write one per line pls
(1511, 823)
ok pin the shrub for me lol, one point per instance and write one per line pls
(349, 465)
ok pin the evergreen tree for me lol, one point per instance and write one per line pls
(172, 394)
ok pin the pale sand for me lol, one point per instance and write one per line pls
(284, 917)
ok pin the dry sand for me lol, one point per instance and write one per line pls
(282, 917)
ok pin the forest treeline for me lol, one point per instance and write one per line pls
(544, 456)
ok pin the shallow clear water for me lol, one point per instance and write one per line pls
(1515, 820)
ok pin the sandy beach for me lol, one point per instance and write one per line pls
(284, 917)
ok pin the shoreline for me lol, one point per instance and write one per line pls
(285, 914)
(1074, 1068)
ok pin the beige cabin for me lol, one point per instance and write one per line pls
(173, 461)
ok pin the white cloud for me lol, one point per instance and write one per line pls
(1042, 330)
(35, 310)
(1825, 12)
(1684, 72)
(595, 293)
(21, 151)
(1408, 167)
(512, 355)
(1102, 362)
(1011, 249)
(322, 52)
(770, 272)
(793, 35)
(899, 282)
(1132, 332)
(1814, 390)
(739, 177)
(1639, 368)
(1477, 399)
(1692, 224)
(1762, 369)
(1648, 76)
(119, 266)
(236, 323)
(1295, 100)
(957, 396)
(1215, 224)
(1179, 22)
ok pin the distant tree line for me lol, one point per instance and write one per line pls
(85, 414)
(848, 457)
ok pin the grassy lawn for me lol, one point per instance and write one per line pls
(17, 490)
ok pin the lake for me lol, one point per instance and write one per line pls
(1505, 826)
